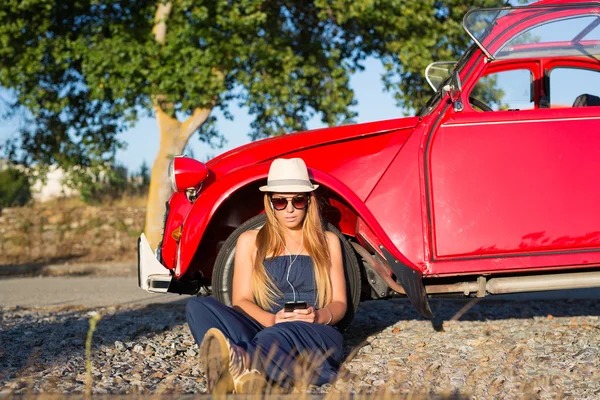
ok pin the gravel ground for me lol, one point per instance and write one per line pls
(490, 349)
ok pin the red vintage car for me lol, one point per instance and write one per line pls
(493, 187)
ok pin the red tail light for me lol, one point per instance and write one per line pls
(186, 173)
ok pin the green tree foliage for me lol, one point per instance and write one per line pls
(407, 36)
(85, 69)
(139, 181)
(14, 188)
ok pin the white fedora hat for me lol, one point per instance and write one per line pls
(288, 175)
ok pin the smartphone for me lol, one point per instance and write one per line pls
(290, 306)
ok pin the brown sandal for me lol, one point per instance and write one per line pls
(214, 354)
(227, 366)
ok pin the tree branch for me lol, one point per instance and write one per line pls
(160, 26)
(190, 125)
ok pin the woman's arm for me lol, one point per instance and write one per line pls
(241, 294)
(337, 308)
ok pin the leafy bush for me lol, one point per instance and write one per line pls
(99, 185)
(15, 189)
(139, 182)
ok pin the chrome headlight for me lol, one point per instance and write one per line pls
(186, 173)
(172, 174)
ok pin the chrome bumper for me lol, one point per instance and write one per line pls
(152, 275)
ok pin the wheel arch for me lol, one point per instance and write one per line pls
(242, 201)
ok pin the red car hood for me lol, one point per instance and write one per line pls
(271, 148)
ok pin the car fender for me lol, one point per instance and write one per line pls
(211, 199)
(205, 207)
(364, 214)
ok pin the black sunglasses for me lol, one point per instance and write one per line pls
(299, 202)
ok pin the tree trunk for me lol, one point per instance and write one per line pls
(174, 136)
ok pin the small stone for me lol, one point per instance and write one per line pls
(158, 374)
(119, 346)
(191, 353)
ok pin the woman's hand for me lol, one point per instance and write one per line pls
(306, 315)
(283, 316)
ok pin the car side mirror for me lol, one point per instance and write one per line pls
(454, 91)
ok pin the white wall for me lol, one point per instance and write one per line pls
(53, 187)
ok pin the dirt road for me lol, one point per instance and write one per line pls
(77, 291)
(110, 291)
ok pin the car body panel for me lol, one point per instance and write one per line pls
(284, 146)
(397, 201)
(178, 208)
(515, 185)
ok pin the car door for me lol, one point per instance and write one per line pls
(522, 179)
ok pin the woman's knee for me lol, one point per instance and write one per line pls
(280, 335)
(273, 331)
(301, 336)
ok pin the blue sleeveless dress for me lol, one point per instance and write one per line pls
(276, 348)
(295, 282)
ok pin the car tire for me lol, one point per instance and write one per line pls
(222, 278)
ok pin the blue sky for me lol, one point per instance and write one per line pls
(143, 139)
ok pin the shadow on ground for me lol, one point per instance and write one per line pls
(27, 338)
(375, 316)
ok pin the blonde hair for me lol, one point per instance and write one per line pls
(269, 242)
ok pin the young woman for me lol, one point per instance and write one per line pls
(290, 259)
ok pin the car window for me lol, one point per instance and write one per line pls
(575, 36)
(574, 87)
(506, 90)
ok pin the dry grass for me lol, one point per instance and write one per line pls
(130, 201)
(88, 353)
(69, 231)
(127, 200)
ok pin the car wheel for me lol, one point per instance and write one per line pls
(222, 278)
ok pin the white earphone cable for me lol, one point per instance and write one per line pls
(292, 261)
